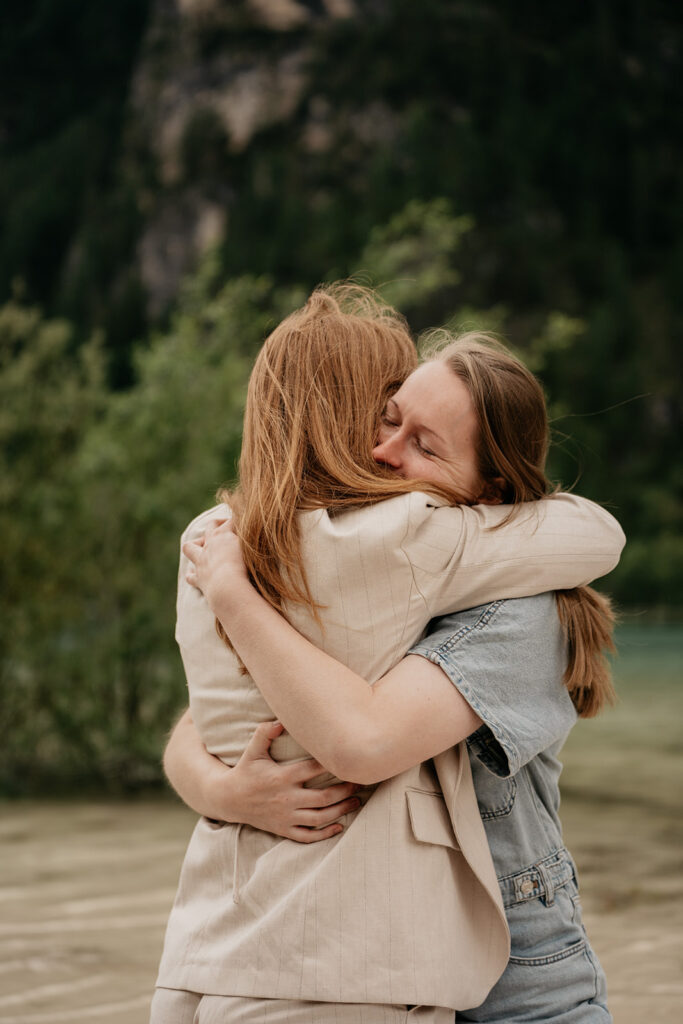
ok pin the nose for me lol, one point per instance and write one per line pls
(388, 452)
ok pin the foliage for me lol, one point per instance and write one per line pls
(97, 485)
(69, 216)
(50, 397)
(613, 403)
(514, 170)
(412, 258)
(97, 488)
(556, 130)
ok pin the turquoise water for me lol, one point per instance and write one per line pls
(635, 750)
(655, 651)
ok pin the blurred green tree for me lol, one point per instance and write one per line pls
(51, 394)
(97, 485)
(97, 488)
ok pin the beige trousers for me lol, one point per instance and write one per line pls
(174, 1006)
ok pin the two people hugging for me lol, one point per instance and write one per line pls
(396, 582)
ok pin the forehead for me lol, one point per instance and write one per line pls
(437, 398)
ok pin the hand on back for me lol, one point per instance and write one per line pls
(217, 567)
(257, 791)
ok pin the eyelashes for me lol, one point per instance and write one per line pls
(422, 449)
(387, 422)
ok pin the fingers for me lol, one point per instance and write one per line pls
(192, 579)
(326, 797)
(321, 823)
(314, 835)
(214, 525)
(321, 817)
(264, 734)
(218, 526)
(226, 526)
(304, 771)
(191, 550)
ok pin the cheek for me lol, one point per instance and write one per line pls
(476, 479)
(455, 477)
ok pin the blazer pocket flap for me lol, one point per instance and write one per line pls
(429, 818)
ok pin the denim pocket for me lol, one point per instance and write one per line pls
(552, 973)
(555, 990)
(543, 934)
(495, 796)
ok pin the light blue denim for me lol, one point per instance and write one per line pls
(507, 659)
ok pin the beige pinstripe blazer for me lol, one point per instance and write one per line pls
(403, 906)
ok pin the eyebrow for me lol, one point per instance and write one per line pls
(423, 428)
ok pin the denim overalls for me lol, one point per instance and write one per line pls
(507, 659)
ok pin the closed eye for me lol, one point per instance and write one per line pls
(422, 449)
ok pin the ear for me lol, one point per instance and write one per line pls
(492, 491)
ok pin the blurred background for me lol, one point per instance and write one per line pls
(175, 176)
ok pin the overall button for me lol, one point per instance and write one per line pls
(528, 886)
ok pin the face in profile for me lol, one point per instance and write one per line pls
(428, 432)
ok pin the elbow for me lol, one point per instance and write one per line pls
(348, 763)
(358, 757)
(169, 766)
(616, 541)
(603, 533)
(607, 539)
(621, 541)
(368, 774)
(360, 770)
(167, 757)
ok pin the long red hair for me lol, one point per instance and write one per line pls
(315, 397)
(316, 394)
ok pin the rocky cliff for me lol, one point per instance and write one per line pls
(211, 77)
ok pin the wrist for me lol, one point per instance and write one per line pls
(218, 792)
(233, 603)
(225, 597)
(235, 798)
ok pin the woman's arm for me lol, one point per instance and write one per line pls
(366, 734)
(463, 556)
(257, 791)
(360, 733)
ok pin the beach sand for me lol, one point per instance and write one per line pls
(85, 887)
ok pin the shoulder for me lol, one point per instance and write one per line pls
(507, 659)
(406, 530)
(405, 511)
(531, 619)
(505, 649)
(199, 524)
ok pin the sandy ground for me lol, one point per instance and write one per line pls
(85, 890)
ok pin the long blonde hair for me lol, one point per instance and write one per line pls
(315, 397)
(512, 445)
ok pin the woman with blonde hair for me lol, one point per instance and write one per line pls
(400, 913)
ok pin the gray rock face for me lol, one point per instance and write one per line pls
(233, 70)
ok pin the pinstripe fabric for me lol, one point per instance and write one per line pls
(171, 1006)
(403, 907)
